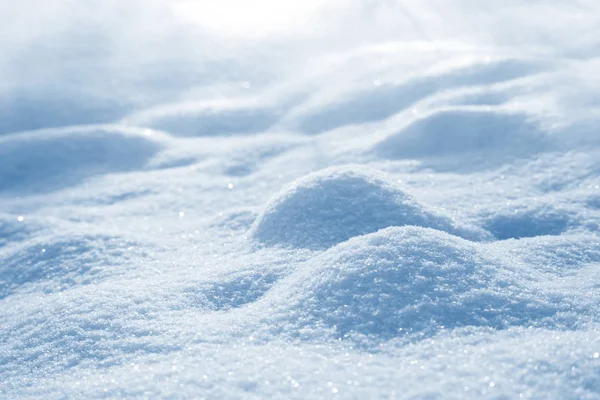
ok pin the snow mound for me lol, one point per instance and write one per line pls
(528, 220)
(336, 204)
(495, 136)
(56, 264)
(381, 101)
(207, 118)
(561, 255)
(52, 159)
(13, 230)
(404, 280)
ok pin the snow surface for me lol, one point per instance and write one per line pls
(299, 199)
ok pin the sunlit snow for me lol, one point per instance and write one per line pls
(299, 199)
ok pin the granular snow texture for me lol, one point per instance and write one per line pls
(383, 201)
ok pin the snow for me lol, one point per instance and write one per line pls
(75, 154)
(327, 200)
(336, 204)
(405, 280)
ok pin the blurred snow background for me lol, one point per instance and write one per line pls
(316, 199)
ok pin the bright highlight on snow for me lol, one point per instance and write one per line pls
(299, 200)
(244, 18)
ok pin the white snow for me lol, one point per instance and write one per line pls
(368, 199)
(336, 204)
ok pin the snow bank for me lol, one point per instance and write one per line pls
(560, 255)
(333, 205)
(488, 137)
(405, 280)
(53, 159)
(529, 220)
(391, 94)
(12, 229)
(55, 264)
(207, 118)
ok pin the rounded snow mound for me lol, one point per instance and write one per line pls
(336, 204)
(408, 279)
(55, 158)
(559, 255)
(194, 119)
(528, 220)
(491, 136)
(55, 264)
